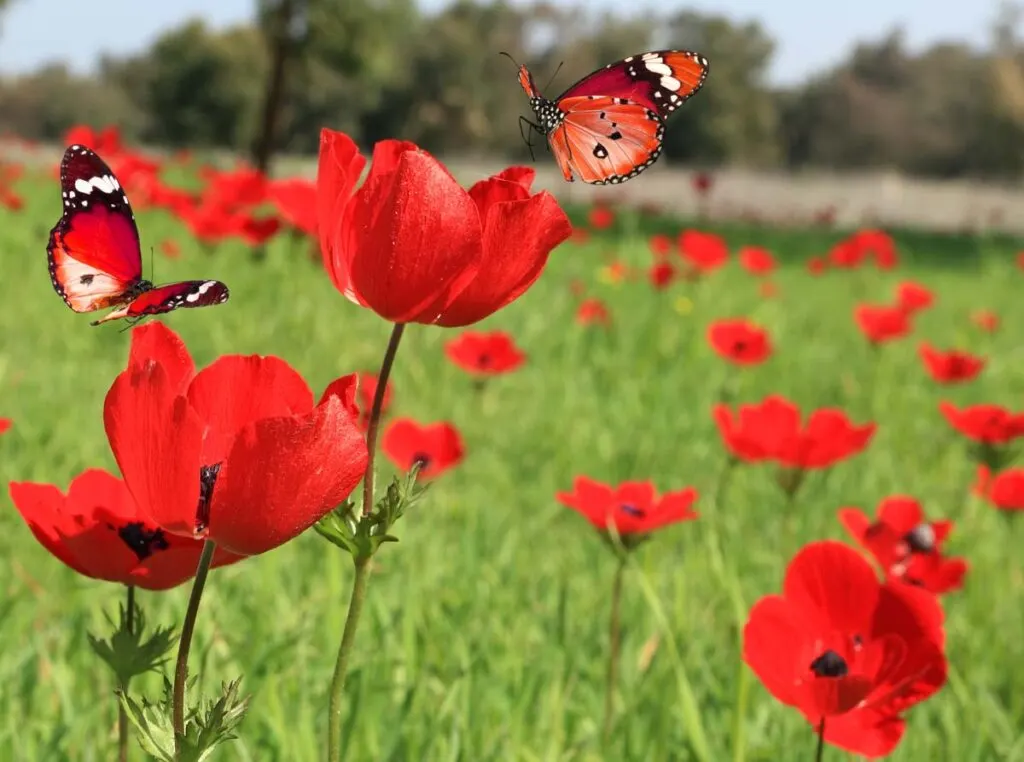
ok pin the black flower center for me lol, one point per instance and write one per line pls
(920, 539)
(829, 664)
(739, 346)
(484, 360)
(421, 459)
(207, 481)
(142, 541)
(631, 510)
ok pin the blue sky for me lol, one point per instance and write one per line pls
(811, 34)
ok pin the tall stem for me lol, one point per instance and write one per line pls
(362, 564)
(821, 741)
(378, 403)
(187, 628)
(355, 608)
(614, 648)
(122, 715)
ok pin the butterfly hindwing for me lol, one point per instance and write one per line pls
(156, 301)
(94, 254)
(605, 140)
(661, 80)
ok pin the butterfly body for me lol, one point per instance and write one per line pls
(94, 252)
(609, 126)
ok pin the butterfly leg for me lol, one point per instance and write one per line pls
(527, 134)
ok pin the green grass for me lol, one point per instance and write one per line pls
(485, 634)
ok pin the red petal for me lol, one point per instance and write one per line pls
(494, 190)
(156, 439)
(518, 237)
(283, 474)
(900, 512)
(774, 642)
(517, 174)
(345, 389)
(855, 522)
(155, 342)
(866, 732)
(414, 238)
(237, 390)
(338, 170)
(42, 507)
(834, 586)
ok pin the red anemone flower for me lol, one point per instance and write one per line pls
(632, 508)
(364, 397)
(661, 245)
(906, 545)
(950, 367)
(593, 311)
(295, 200)
(913, 297)
(1005, 490)
(5, 424)
(986, 320)
(740, 341)
(601, 217)
(771, 430)
(986, 424)
(237, 453)
(880, 323)
(845, 649)
(817, 265)
(756, 261)
(486, 354)
(702, 183)
(98, 530)
(661, 275)
(413, 246)
(436, 447)
(705, 252)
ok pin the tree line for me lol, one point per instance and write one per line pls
(384, 68)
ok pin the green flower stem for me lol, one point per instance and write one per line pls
(187, 629)
(362, 564)
(355, 608)
(122, 715)
(614, 648)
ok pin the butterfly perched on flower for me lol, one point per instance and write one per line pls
(609, 126)
(94, 251)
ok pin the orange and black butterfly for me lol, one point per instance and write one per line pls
(609, 126)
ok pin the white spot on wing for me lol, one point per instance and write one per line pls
(657, 67)
(671, 83)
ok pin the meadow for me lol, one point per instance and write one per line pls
(486, 628)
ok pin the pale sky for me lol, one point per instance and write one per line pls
(810, 34)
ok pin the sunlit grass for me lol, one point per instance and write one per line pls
(485, 630)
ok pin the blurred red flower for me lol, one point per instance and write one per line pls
(170, 248)
(756, 261)
(295, 200)
(632, 508)
(486, 354)
(1005, 490)
(661, 275)
(880, 323)
(950, 367)
(98, 530)
(601, 217)
(256, 231)
(367, 388)
(593, 311)
(771, 430)
(437, 447)
(768, 289)
(413, 246)
(986, 424)
(11, 201)
(913, 297)
(986, 320)
(661, 245)
(579, 236)
(705, 252)
(703, 183)
(817, 265)
(5, 425)
(106, 142)
(845, 649)
(906, 545)
(237, 452)
(740, 341)
(1020, 259)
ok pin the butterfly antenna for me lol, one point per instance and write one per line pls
(509, 57)
(557, 69)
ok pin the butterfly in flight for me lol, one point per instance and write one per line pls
(609, 126)
(94, 251)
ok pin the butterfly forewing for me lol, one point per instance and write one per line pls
(94, 253)
(156, 301)
(605, 140)
(661, 80)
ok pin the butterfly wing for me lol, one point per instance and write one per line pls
(604, 140)
(156, 301)
(660, 80)
(94, 254)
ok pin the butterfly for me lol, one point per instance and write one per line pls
(609, 126)
(94, 251)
